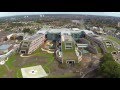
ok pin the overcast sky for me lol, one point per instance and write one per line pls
(117, 14)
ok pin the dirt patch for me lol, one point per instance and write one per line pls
(34, 59)
(9, 74)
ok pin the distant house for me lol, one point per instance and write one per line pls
(76, 21)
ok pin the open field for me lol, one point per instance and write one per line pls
(114, 39)
(98, 49)
(15, 63)
(12, 68)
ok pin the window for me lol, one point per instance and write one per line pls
(69, 44)
(25, 42)
(22, 51)
(24, 45)
(68, 47)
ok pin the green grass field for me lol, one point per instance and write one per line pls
(3, 71)
(98, 49)
(46, 60)
(17, 70)
(66, 75)
(114, 39)
(109, 49)
(68, 53)
(109, 28)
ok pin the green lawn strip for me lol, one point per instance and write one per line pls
(47, 66)
(10, 61)
(110, 49)
(3, 71)
(49, 57)
(98, 49)
(66, 75)
(109, 28)
(114, 39)
(18, 73)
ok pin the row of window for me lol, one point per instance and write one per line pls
(68, 45)
(32, 48)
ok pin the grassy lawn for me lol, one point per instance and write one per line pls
(66, 75)
(98, 49)
(69, 53)
(11, 60)
(18, 74)
(48, 66)
(50, 58)
(3, 71)
(109, 49)
(17, 70)
(10, 64)
(114, 39)
(109, 28)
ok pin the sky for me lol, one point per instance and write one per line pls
(116, 14)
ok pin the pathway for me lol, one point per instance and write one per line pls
(7, 67)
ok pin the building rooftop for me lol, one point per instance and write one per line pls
(64, 31)
(33, 37)
(59, 30)
(68, 54)
(88, 32)
(67, 38)
(75, 29)
(5, 46)
(42, 32)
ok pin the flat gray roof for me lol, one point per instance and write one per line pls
(34, 36)
(5, 46)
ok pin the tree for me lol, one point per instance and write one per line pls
(26, 30)
(5, 39)
(109, 68)
(19, 38)
(7, 29)
(12, 38)
(107, 57)
(31, 31)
